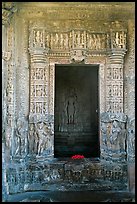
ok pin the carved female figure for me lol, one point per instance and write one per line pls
(43, 137)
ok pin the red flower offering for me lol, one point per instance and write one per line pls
(77, 156)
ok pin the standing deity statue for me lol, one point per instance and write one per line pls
(71, 106)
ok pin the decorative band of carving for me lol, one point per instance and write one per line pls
(117, 55)
(76, 40)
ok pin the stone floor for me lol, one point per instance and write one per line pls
(72, 196)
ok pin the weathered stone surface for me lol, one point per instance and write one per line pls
(36, 37)
(66, 175)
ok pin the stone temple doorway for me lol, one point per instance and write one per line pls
(76, 115)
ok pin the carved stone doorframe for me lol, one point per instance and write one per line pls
(76, 46)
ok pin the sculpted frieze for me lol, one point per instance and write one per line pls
(75, 39)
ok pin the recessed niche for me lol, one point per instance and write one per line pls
(76, 111)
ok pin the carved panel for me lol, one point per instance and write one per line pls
(114, 87)
(40, 137)
(38, 38)
(63, 41)
(39, 90)
(118, 40)
(113, 136)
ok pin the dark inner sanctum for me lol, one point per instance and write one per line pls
(76, 111)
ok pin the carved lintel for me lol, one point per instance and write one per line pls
(6, 55)
(78, 55)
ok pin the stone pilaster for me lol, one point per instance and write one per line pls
(39, 114)
(39, 73)
(114, 82)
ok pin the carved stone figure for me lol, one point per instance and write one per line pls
(119, 40)
(31, 138)
(8, 137)
(43, 137)
(118, 137)
(71, 106)
(77, 55)
(21, 137)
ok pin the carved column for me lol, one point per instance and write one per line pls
(113, 121)
(39, 73)
(114, 82)
(40, 77)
